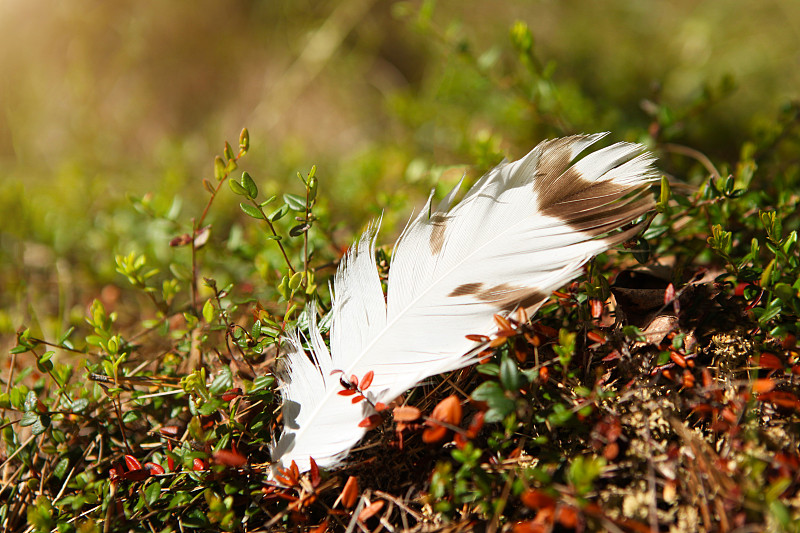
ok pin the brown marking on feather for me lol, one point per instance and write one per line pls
(439, 223)
(509, 297)
(466, 289)
(596, 208)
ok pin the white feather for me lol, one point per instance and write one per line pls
(522, 231)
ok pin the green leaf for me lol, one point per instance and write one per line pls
(251, 211)
(489, 369)
(79, 405)
(298, 230)
(295, 202)
(222, 381)
(663, 199)
(65, 336)
(560, 415)
(28, 419)
(228, 151)
(231, 166)
(263, 382)
(31, 401)
(237, 187)
(510, 376)
(268, 201)
(60, 470)
(209, 313)
(44, 364)
(219, 168)
(278, 213)
(784, 291)
(313, 184)
(244, 141)
(250, 185)
(500, 406)
(41, 424)
(641, 251)
(583, 471)
(152, 492)
(767, 274)
(295, 281)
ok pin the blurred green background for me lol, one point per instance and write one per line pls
(104, 101)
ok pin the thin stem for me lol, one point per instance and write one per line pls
(694, 154)
(274, 234)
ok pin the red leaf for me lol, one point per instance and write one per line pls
(199, 464)
(231, 394)
(406, 413)
(521, 355)
(478, 338)
(181, 240)
(476, 425)
(502, 323)
(707, 380)
(770, 361)
(350, 492)
(229, 458)
(547, 331)
(154, 468)
(357, 399)
(596, 336)
(371, 510)
(529, 526)
(170, 431)
(448, 411)
(688, 379)
(611, 451)
(729, 416)
(669, 294)
(677, 358)
(536, 499)
(346, 392)
(371, 422)
(789, 341)
(135, 475)
(366, 381)
(781, 399)
(567, 516)
(283, 480)
(763, 385)
(314, 471)
(544, 374)
(434, 434)
(132, 463)
(596, 307)
(354, 381)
